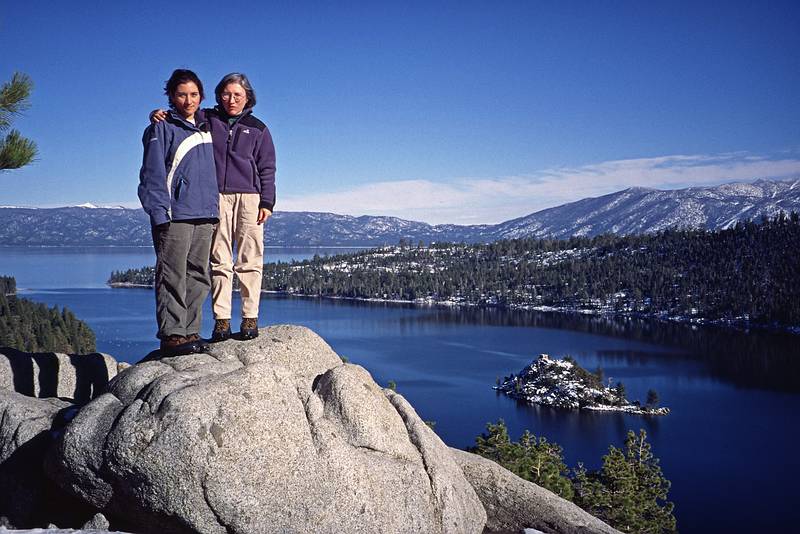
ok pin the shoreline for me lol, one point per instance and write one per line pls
(739, 325)
(631, 409)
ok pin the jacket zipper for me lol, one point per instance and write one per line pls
(227, 158)
(228, 149)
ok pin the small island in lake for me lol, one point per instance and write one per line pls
(565, 384)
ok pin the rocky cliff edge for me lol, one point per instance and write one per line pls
(276, 434)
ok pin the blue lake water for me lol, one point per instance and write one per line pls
(727, 447)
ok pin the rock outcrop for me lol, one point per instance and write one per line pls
(40, 392)
(275, 434)
(27, 496)
(513, 504)
(75, 377)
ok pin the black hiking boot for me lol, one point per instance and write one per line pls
(176, 345)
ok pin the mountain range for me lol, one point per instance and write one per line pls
(630, 211)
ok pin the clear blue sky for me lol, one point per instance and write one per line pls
(466, 112)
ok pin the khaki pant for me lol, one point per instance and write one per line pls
(238, 213)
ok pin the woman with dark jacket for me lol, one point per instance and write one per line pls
(178, 190)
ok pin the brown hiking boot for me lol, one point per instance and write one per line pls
(249, 328)
(222, 330)
(176, 345)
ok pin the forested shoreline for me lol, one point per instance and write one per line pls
(745, 274)
(33, 327)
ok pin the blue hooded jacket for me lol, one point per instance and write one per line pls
(178, 180)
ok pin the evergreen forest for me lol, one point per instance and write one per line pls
(743, 274)
(33, 327)
(629, 491)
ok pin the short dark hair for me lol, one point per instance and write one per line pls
(241, 79)
(178, 77)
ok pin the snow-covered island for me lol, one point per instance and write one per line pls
(565, 384)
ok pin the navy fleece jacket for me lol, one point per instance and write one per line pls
(244, 154)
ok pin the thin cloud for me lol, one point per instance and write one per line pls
(493, 200)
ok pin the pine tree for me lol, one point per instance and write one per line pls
(544, 462)
(654, 512)
(652, 399)
(531, 458)
(629, 492)
(33, 327)
(619, 391)
(15, 150)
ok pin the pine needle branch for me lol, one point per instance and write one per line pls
(16, 151)
(14, 98)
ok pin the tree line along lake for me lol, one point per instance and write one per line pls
(727, 445)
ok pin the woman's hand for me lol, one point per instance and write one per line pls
(157, 115)
(263, 215)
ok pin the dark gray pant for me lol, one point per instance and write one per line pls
(182, 276)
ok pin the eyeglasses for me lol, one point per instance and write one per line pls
(236, 97)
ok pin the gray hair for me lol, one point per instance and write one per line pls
(241, 79)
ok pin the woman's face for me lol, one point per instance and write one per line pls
(234, 98)
(186, 99)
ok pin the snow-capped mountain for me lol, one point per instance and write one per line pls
(640, 210)
(631, 211)
(314, 228)
(94, 206)
(74, 226)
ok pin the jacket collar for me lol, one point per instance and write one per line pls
(200, 121)
(220, 111)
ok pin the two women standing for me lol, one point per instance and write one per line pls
(243, 165)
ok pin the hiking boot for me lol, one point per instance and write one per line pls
(249, 328)
(202, 346)
(222, 330)
(176, 345)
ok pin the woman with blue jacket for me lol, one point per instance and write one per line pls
(178, 190)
